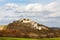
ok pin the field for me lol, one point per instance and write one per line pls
(9, 38)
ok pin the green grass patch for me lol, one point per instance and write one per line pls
(9, 38)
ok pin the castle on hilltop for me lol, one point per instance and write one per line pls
(34, 24)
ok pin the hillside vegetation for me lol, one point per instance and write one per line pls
(28, 29)
(3, 27)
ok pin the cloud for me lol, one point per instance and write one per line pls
(54, 6)
(12, 11)
(54, 15)
(30, 8)
(34, 7)
(11, 5)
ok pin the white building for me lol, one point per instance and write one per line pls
(34, 24)
(25, 20)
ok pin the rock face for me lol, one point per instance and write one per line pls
(28, 29)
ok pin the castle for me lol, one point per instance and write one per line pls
(34, 24)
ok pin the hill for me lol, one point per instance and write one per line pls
(27, 28)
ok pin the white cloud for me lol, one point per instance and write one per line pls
(54, 6)
(54, 15)
(34, 7)
(30, 8)
(14, 11)
(11, 5)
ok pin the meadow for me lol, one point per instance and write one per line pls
(10, 38)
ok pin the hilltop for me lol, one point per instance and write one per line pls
(28, 28)
(26, 23)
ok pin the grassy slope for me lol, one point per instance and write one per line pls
(8, 38)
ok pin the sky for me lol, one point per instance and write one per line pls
(45, 12)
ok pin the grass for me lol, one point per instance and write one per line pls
(9, 38)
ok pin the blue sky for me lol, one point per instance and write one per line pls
(45, 12)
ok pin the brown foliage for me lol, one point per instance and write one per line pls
(19, 29)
